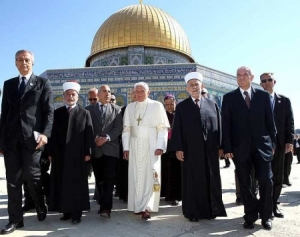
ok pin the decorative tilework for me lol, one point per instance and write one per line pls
(160, 78)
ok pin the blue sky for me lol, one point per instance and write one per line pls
(224, 34)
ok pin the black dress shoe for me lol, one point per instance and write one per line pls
(248, 225)
(11, 227)
(41, 213)
(65, 217)
(175, 203)
(267, 224)
(193, 219)
(76, 221)
(28, 207)
(278, 213)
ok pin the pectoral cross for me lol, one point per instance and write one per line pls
(139, 120)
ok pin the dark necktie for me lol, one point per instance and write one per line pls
(196, 102)
(69, 109)
(102, 113)
(21, 87)
(272, 100)
(247, 98)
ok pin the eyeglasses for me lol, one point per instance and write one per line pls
(203, 93)
(265, 80)
(112, 99)
(92, 99)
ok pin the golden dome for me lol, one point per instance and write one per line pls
(140, 25)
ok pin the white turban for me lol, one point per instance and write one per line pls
(193, 75)
(71, 85)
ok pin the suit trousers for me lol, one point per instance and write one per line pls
(22, 165)
(105, 172)
(277, 169)
(288, 160)
(263, 173)
(45, 181)
(254, 184)
(297, 153)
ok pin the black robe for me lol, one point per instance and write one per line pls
(197, 134)
(123, 170)
(170, 170)
(70, 142)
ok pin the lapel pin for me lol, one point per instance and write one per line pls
(279, 101)
(31, 84)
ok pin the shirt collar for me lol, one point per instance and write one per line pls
(248, 90)
(143, 102)
(102, 104)
(27, 77)
(73, 106)
(195, 99)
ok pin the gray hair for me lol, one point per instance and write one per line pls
(94, 89)
(248, 69)
(143, 84)
(24, 51)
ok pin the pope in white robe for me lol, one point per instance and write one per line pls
(144, 140)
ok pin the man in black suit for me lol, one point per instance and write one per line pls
(284, 121)
(297, 147)
(249, 138)
(108, 125)
(26, 123)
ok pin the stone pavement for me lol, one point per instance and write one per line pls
(168, 222)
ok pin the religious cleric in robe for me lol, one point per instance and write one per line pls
(196, 138)
(144, 139)
(69, 150)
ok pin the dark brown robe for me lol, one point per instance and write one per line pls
(197, 134)
(170, 170)
(70, 142)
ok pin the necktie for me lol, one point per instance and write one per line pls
(21, 87)
(247, 98)
(272, 102)
(102, 113)
(69, 109)
(196, 102)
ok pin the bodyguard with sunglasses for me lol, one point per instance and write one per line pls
(92, 96)
(284, 121)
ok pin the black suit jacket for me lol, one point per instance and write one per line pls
(284, 120)
(296, 140)
(240, 125)
(34, 111)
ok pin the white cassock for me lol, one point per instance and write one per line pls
(145, 130)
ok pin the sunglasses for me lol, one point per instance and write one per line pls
(203, 93)
(112, 99)
(265, 80)
(92, 99)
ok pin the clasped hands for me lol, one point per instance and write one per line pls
(100, 140)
